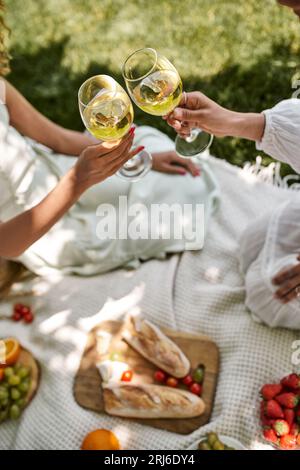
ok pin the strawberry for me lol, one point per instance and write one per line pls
(289, 416)
(269, 435)
(270, 391)
(292, 381)
(288, 400)
(295, 429)
(288, 442)
(273, 409)
(281, 427)
(298, 440)
(267, 422)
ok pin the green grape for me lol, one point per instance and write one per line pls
(14, 412)
(8, 372)
(204, 445)
(24, 386)
(14, 380)
(23, 372)
(15, 394)
(4, 403)
(212, 437)
(218, 445)
(3, 415)
(21, 403)
(3, 393)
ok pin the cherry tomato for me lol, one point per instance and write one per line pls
(25, 311)
(172, 382)
(159, 376)
(196, 388)
(28, 318)
(16, 316)
(18, 307)
(188, 380)
(127, 376)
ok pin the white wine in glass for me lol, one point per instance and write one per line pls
(107, 113)
(156, 87)
(152, 82)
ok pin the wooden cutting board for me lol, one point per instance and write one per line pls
(27, 359)
(199, 350)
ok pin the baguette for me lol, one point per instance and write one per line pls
(149, 341)
(150, 401)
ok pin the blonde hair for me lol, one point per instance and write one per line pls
(4, 55)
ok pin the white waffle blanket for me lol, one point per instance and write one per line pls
(199, 292)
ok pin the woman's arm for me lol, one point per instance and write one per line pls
(275, 131)
(19, 233)
(31, 123)
(200, 111)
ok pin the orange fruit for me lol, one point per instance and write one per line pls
(12, 352)
(100, 439)
(1, 374)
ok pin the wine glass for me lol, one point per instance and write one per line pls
(155, 86)
(107, 113)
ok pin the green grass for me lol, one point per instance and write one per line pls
(244, 54)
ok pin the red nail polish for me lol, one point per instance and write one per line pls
(141, 148)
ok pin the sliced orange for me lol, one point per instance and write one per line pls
(101, 439)
(12, 351)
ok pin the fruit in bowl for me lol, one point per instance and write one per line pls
(213, 441)
(280, 412)
(19, 379)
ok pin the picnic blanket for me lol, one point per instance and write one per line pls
(200, 292)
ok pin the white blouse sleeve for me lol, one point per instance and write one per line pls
(281, 138)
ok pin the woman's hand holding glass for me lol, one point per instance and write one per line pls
(197, 110)
(156, 87)
(98, 162)
(107, 113)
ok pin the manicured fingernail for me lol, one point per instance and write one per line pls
(131, 132)
(182, 172)
(198, 172)
(141, 148)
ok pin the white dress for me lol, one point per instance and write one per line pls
(29, 171)
(272, 242)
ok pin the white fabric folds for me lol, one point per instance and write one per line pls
(281, 138)
(29, 171)
(271, 242)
